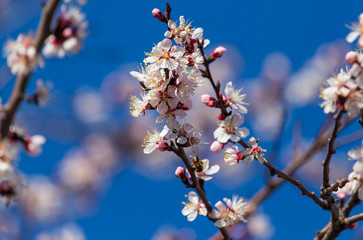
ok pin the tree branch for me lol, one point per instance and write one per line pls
(356, 218)
(180, 152)
(298, 184)
(207, 74)
(17, 94)
(331, 150)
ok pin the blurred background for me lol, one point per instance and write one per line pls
(279, 51)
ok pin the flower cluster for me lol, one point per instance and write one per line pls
(21, 55)
(10, 181)
(344, 91)
(229, 126)
(169, 78)
(173, 70)
(233, 155)
(234, 209)
(356, 177)
(68, 34)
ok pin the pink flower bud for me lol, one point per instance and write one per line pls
(218, 52)
(68, 32)
(180, 173)
(353, 226)
(351, 57)
(216, 147)
(212, 103)
(221, 117)
(163, 146)
(205, 98)
(157, 13)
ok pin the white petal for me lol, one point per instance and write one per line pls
(214, 169)
(248, 159)
(352, 36)
(191, 217)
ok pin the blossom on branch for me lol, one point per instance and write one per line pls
(68, 34)
(356, 32)
(233, 156)
(156, 140)
(234, 209)
(194, 207)
(203, 170)
(253, 152)
(22, 57)
(343, 92)
(235, 98)
(164, 55)
(228, 129)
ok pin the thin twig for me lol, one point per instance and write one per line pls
(356, 218)
(277, 140)
(340, 183)
(298, 184)
(17, 94)
(331, 150)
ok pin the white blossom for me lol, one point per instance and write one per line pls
(357, 153)
(33, 144)
(68, 35)
(233, 156)
(235, 98)
(21, 55)
(356, 32)
(194, 207)
(229, 131)
(165, 56)
(206, 171)
(235, 209)
(153, 139)
(253, 152)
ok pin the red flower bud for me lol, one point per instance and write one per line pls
(157, 13)
(218, 52)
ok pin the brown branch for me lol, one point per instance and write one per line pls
(331, 150)
(17, 94)
(356, 218)
(352, 202)
(198, 188)
(340, 183)
(298, 184)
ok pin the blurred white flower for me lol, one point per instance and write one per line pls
(70, 231)
(356, 32)
(41, 199)
(68, 35)
(21, 55)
